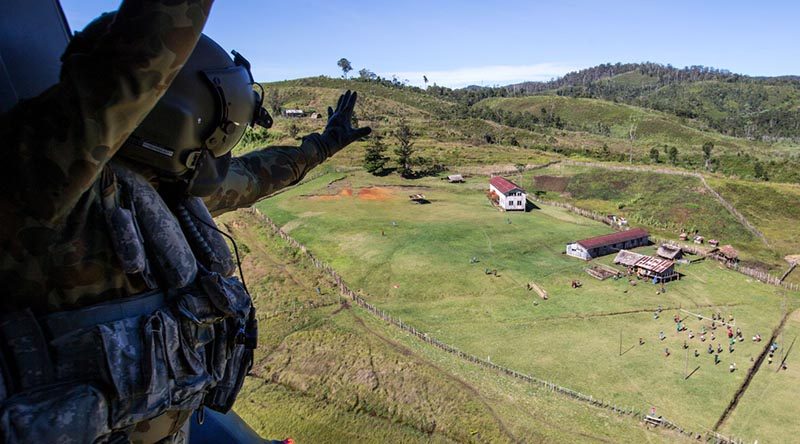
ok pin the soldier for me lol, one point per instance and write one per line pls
(120, 314)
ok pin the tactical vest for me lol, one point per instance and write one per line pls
(89, 375)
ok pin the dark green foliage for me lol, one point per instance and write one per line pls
(672, 155)
(293, 130)
(345, 66)
(759, 171)
(707, 148)
(275, 101)
(405, 149)
(374, 158)
(654, 154)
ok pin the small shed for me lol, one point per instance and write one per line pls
(455, 178)
(315, 115)
(670, 252)
(727, 254)
(713, 242)
(683, 236)
(699, 239)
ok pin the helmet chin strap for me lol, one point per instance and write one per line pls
(208, 173)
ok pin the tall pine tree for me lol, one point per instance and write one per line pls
(405, 149)
(374, 158)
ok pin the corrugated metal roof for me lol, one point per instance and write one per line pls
(668, 251)
(613, 238)
(654, 264)
(628, 258)
(504, 185)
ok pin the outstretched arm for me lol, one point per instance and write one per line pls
(258, 174)
(59, 142)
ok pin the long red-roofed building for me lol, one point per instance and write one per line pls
(593, 247)
(510, 196)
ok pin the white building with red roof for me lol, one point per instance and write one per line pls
(510, 196)
(609, 243)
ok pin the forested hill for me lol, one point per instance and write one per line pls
(765, 108)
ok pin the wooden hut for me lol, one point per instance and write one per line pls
(670, 252)
(727, 254)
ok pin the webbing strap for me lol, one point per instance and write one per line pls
(66, 321)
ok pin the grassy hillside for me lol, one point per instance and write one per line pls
(668, 205)
(757, 108)
(585, 115)
(591, 128)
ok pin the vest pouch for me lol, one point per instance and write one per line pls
(222, 397)
(62, 413)
(227, 294)
(138, 369)
(188, 377)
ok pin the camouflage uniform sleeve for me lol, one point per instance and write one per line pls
(260, 173)
(59, 141)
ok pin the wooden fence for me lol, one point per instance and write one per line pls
(728, 206)
(346, 292)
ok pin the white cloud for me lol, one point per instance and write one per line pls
(485, 75)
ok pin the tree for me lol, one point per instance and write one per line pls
(275, 101)
(654, 154)
(760, 171)
(405, 149)
(672, 155)
(707, 148)
(365, 74)
(632, 136)
(374, 158)
(605, 153)
(425, 79)
(345, 65)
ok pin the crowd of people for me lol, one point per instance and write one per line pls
(707, 333)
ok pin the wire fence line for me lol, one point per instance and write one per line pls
(728, 206)
(353, 296)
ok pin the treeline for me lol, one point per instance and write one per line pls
(756, 108)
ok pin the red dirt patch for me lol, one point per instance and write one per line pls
(345, 192)
(375, 193)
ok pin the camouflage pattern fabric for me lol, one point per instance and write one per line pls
(56, 252)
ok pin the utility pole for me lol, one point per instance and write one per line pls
(686, 367)
(620, 342)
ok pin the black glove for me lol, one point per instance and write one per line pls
(339, 130)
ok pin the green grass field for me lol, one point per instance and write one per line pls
(414, 261)
(769, 408)
(325, 373)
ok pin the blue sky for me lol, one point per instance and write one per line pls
(457, 43)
